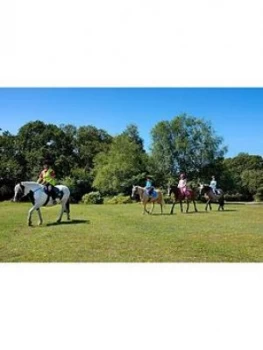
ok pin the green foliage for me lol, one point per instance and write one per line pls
(91, 141)
(115, 170)
(237, 197)
(259, 195)
(92, 198)
(119, 199)
(88, 159)
(184, 144)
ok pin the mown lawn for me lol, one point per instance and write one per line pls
(120, 233)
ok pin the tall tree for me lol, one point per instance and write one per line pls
(185, 144)
(132, 133)
(90, 141)
(116, 170)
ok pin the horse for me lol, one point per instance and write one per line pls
(179, 196)
(39, 198)
(210, 196)
(156, 197)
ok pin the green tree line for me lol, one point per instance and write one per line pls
(90, 159)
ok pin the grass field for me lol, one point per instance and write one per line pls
(120, 233)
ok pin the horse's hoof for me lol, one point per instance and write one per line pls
(40, 223)
(58, 221)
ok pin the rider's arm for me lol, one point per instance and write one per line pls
(40, 178)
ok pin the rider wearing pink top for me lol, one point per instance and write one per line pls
(182, 183)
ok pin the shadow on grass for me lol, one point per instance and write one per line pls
(71, 222)
(222, 211)
(159, 214)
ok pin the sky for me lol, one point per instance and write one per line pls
(236, 114)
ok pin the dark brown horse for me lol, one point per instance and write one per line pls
(211, 197)
(179, 196)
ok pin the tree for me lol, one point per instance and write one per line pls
(245, 172)
(184, 144)
(9, 165)
(116, 169)
(132, 133)
(90, 141)
(37, 141)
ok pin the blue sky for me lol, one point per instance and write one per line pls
(236, 114)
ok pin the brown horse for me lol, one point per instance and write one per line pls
(157, 197)
(210, 196)
(179, 196)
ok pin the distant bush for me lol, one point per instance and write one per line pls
(92, 198)
(5, 192)
(78, 188)
(119, 199)
(237, 197)
(258, 197)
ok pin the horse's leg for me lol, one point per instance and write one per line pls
(63, 207)
(144, 208)
(187, 205)
(172, 209)
(29, 220)
(40, 222)
(181, 206)
(195, 206)
(68, 209)
(152, 207)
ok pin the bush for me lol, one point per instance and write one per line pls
(92, 198)
(6, 192)
(258, 197)
(78, 188)
(237, 197)
(119, 199)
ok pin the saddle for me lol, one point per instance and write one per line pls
(54, 193)
(152, 194)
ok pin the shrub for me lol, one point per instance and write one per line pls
(119, 199)
(236, 197)
(6, 192)
(92, 198)
(259, 195)
(78, 188)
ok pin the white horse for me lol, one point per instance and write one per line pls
(145, 198)
(39, 198)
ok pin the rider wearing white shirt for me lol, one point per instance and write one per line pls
(213, 184)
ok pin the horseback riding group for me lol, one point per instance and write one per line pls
(45, 192)
(180, 193)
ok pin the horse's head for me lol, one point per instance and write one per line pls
(20, 191)
(172, 189)
(134, 191)
(203, 188)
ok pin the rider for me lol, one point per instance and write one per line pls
(47, 178)
(213, 184)
(182, 183)
(149, 187)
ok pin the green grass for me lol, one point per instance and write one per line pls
(120, 233)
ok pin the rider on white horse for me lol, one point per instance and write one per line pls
(47, 178)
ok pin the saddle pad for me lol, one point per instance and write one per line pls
(154, 194)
